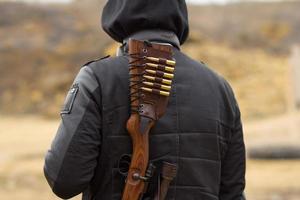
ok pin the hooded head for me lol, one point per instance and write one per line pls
(122, 18)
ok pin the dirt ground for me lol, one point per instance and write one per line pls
(24, 141)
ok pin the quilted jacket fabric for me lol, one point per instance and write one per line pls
(201, 132)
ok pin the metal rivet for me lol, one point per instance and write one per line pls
(136, 176)
(72, 90)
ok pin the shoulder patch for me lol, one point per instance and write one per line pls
(69, 100)
(96, 60)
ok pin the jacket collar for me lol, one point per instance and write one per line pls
(160, 36)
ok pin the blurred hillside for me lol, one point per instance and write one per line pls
(42, 48)
(269, 26)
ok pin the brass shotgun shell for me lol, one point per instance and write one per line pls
(160, 67)
(161, 60)
(171, 62)
(160, 73)
(149, 77)
(157, 79)
(160, 86)
(155, 91)
(153, 59)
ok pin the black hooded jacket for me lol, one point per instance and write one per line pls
(201, 130)
(121, 18)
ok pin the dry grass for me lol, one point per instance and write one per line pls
(273, 180)
(24, 141)
(283, 130)
(238, 43)
(259, 79)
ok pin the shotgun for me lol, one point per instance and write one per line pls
(151, 70)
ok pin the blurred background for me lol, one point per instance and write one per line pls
(255, 45)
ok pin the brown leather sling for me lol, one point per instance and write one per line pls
(151, 69)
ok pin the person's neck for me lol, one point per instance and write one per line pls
(159, 36)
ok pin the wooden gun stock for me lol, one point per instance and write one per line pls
(140, 141)
(151, 68)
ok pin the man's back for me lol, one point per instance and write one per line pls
(200, 131)
(200, 128)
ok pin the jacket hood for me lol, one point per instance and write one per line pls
(122, 18)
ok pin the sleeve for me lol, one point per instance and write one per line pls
(234, 163)
(71, 161)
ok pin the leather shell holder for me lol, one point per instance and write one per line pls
(151, 69)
